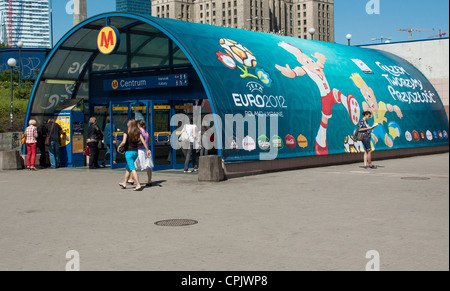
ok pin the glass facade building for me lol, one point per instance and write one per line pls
(27, 21)
(143, 7)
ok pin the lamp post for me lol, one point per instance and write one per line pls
(20, 45)
(12, 63)
(312, 30)
(348, 37)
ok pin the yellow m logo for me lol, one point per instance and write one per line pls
(108, 40)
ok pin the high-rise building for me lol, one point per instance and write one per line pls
(285, 17)
(79, 11)
(143, 7)
(27, 21)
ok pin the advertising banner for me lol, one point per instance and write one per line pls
(316, 92)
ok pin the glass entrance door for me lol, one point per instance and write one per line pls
(161, 132)
(119, 115)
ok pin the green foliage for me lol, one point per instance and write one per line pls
(20, 104)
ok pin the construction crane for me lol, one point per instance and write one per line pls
(414, 29)
(441, 34)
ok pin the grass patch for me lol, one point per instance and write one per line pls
(20, 105)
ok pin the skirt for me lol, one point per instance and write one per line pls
(143, 162)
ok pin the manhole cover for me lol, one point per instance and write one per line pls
(176, 222)
(416, 178)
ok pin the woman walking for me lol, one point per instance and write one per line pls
(31, 142)
(130, 142)
(363, 126)
(144, 162)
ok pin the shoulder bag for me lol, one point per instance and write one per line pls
(359, 135)
(124, 148)
(23, 139)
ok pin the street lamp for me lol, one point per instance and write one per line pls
(12, 63)
(312, 30)
(20, 45)
(348, 37)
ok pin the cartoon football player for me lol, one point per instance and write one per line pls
(330, 97)
(379, 110)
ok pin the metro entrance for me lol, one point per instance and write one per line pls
(157, 115)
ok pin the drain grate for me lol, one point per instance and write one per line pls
(416, 178)
(176, 222)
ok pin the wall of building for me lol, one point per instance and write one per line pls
(431, 57)
(32, 60)
(284, 17)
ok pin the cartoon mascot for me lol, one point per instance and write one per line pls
(379, 110)
(330, 97)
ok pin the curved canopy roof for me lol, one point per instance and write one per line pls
(316, 90)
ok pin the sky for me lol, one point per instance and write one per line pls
(365, 20)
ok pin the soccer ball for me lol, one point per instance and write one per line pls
(353, 146)
(240, 53)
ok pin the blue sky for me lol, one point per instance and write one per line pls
(350, 17)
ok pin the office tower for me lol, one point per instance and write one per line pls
(25, 20)
(285, 17)
(143, 7)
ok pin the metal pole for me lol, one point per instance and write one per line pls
(20, 65)
(11, 114)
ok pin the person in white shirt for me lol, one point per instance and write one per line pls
(192, 133)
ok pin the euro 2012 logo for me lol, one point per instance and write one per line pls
(236, 52)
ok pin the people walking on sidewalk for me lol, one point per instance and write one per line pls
(130, 145)
(143, 161)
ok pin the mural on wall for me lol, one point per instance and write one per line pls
(382, 89)
(379, 111)
(329, 96)
(315, 92)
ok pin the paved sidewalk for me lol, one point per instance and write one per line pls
(312, 219)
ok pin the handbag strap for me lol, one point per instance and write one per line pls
(51, 130)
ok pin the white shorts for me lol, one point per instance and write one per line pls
(143, 162)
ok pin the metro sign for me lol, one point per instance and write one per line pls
(108, 40)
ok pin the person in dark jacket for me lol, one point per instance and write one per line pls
(54, 131)
(94, 136)
(42, 134)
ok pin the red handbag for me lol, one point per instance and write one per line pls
(87, 151)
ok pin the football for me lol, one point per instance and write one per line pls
(238, 52)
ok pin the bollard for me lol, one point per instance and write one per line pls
(10, 160)
(210, 169)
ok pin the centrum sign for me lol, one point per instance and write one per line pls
(108, 40)
(139, 83)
